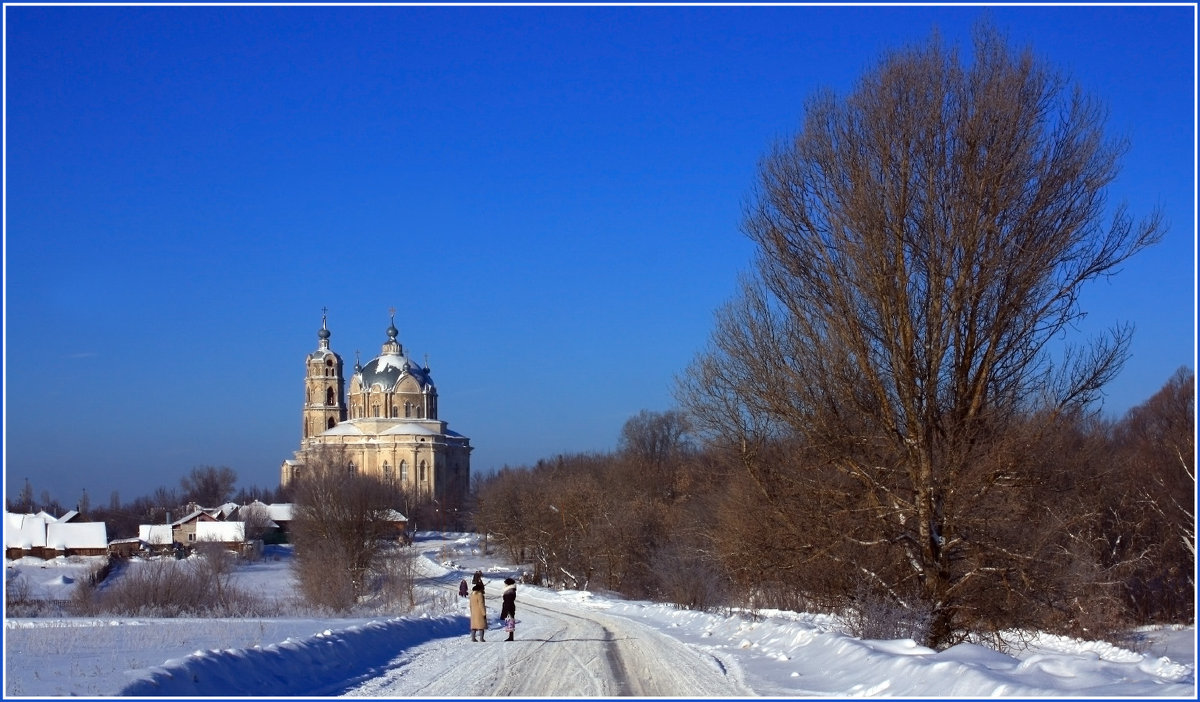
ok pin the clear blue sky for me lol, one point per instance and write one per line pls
(550, 197)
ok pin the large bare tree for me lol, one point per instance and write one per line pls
(921, 247)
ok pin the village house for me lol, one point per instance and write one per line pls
(44, 536)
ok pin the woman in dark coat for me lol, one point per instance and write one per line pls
(508, 607)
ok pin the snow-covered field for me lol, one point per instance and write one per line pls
(567, 644)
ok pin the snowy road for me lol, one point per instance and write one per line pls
(562, 649)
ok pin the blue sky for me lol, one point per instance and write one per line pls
(549, 197)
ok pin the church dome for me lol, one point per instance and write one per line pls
(387, 370)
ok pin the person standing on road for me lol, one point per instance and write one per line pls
(462, 588)
(478, 612)
(508, 607)
(478, 579)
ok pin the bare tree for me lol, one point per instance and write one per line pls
(341, 524)
(1152, 513)
(922, 244)
(24, 501)
(256, 519)
(208, 486)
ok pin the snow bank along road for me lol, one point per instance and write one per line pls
(562, 649)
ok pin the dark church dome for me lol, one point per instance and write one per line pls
(386, 370)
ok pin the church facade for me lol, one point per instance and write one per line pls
(385, 424)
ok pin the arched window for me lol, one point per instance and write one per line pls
(395, 411)
(422, 473)
(351, 468)
(329, 396)
(407, 409)
(375, 409)
(404, 471)
(330, 423)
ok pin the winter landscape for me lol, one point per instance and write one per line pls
(567, 644)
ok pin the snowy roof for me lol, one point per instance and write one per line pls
(157, 534)
(405, 428)
(393, 516)
(280, 511)
(76, 535)
(45, 517)
(389, 369)
(224, 510)
(68, 516)
(256, 509)
(199, 515)
(220, 531)
(24, 530)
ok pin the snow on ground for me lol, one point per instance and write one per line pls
(428, 653)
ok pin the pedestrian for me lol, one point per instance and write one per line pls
(462, 588)
(508, 607)
(478, 612)
(478, 579)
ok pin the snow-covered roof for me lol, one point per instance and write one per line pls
(24, 530)
(221, 531)
(393, 516)
(406, 428)
(343, 428)
(157, 534)
(46, 517)
(76, 535)
(68, 516)
(256, 510)
(280, 511)
(387, 370)
(224, 510)
(199, 515)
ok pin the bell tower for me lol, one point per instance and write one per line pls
(324, 388)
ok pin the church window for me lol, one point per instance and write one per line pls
(422, 473)
(375, 409)
(395, 411)
(404, 471)
(330, 423)
(387, 472)
(407, 409)
(329, 396)
(351, 468)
